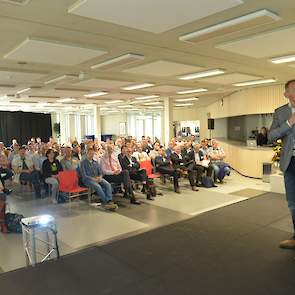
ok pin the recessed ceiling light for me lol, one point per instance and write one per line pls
(192, 91)
(283, 59)
(152, 103)
(23, 90)
(204, 74)
(96, 94)
(187, 99)
(184, 104)
(138, 86)
(113, 101)
(156, 107)
(68, 99)
(147, 97)
(247, 21)
(3, 97)
(119, 61)
(60, 78)
(125, 106)
(256, 82)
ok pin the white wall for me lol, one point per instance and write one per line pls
(110, 124)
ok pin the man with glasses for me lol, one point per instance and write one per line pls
(283, 127)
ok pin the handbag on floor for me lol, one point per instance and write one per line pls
(207, 181)
(13, 222)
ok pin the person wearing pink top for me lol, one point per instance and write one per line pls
(113, 173)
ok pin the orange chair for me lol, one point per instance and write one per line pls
(147, 165)
(68, 183)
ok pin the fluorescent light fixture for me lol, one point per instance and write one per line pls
(58, 79)
(192, 91)
(125, 106)
(152, 103)
(156, 107)
(96, 94)
(184, 104)
(3, 97)
(119, 61)
(42, 104)
(114, 101)
(283, 59)
(204, 74)
(147, 97)
(247, 21)
(104, 109)
(23, 90)
(256, 82)
(138, 86)
(68, 99)
(187, 99)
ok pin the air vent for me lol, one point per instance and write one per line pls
(17, 2)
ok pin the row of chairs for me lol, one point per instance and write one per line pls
(69, 181)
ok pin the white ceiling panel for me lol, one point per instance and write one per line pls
(163, 68)
(165, 89)
(264, 45)
(19, 77)
(102, 84)
(230, 78)
(53, 52)
(148, 15)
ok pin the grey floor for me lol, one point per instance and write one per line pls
(81, 225)
(230, 250)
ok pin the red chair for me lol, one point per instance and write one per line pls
(68, 183)
(147, 165)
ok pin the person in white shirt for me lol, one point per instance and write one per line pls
(25, 171)
(140, 155)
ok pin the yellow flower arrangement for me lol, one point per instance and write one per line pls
(277, 149)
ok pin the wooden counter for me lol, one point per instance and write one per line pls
(246, 160)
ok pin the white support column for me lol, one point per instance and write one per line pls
(97, 122)
(73, 130)
(62, 127)
(168, 120)
(83, 126)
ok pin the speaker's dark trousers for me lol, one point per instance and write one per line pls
(289, 177)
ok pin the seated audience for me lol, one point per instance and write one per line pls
(169, 150)
(25, 171)
(3, 227)
(76, 151)
(155, 152)
(204, 147)
(145, 146)
(122, 155)
(164, 166)
(50, 168)
(217, 156)
(262, 137)
(14, 152)
(130, 163)
(140, 155)
(92, 178)
(113, 173)
(199, 163)
(68, 162)
(5, 172)
(178, 163)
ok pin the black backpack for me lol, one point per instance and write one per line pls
(207, 181)
(13, 222)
